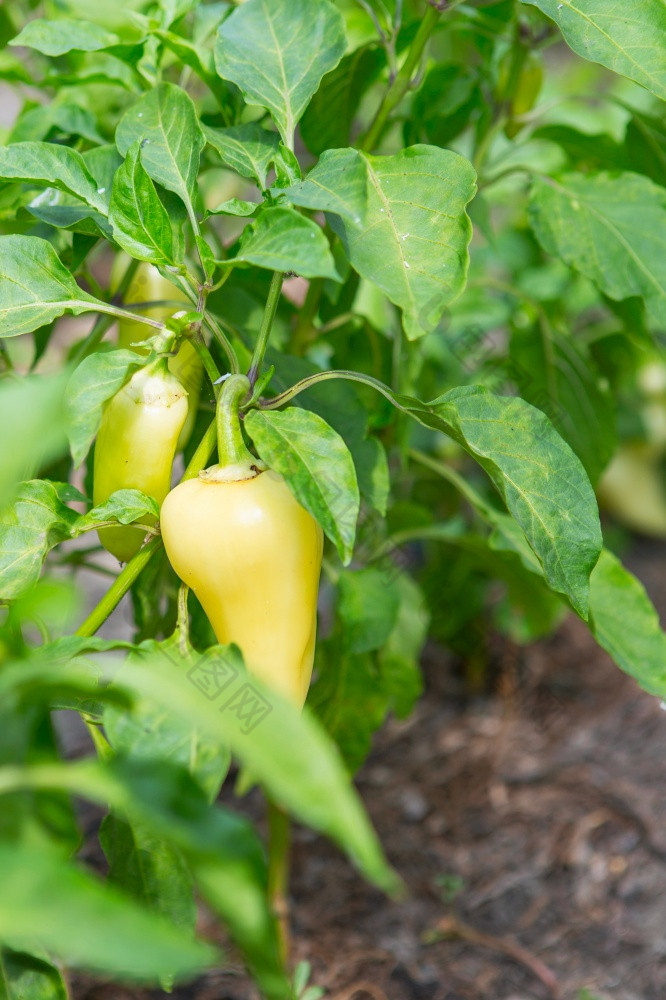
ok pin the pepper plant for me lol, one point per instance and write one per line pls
(393, 268)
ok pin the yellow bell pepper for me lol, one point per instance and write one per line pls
(251, 553)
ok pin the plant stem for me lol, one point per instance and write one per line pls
(197, 232)
(202, 454)
(183, 621)
(99, 741)
(118, 588)
(266, 324)
(400, 85)
(224, 342)
(501, 175)
(207, 358)
(310, 380)
(126, 314)
(279, 842)
(231, 448)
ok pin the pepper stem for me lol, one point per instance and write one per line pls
(279, 838)
(235, 461)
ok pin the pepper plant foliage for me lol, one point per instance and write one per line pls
(309, 176)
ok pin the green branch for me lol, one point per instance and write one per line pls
(118, 589)
(266, 324)
(400, 85)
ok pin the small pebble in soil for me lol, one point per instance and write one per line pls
(414, 806)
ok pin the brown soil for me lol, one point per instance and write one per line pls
(530, 830)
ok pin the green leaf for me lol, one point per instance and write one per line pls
(165, 122)
(124, 506)
(625, 623)
(63, 118)
(26, 977)
(445, 101)
(602, 31)
(622, 619)
(149, 732)
(196, 57)
(584, 150)
(542, 482)
(55, 38)
(540, 479)
(140, 222)
(339, 403)
(33, 523)
(368, 606)
(645, 145)
(12, 68)
(67, 647)
(208, 264)
(349, 699)
(277, 54)
(399, 657)
(224, 853)
(35, 288)
(38, 436)
(97, 378)
(327, 121)
(100, 67)
(528, 609)
(53, 165)
(60, 210)
(247, 149)
(317, 466)
(283, 240)
(372, 472)
(150, 869)
(337, 184)
(609, 227)
(279, 743)
(413, 244)
(284, 743)
(287, 167)
(104, 929)
(103, 162)
(237, 207)
(221, 848)
(378, 609)
(558, 376)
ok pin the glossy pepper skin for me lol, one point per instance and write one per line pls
(148, 285)
(252, 554)
(136, 445)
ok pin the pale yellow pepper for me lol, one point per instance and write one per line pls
(148, 285)
(252, 554)
(136, 445)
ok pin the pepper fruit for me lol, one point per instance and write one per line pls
(148, 285)
(240, 540)
(632, 490)
(136, 445)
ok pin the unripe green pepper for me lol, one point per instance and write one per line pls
(148, 285)
(136, 445)
(241, 541)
